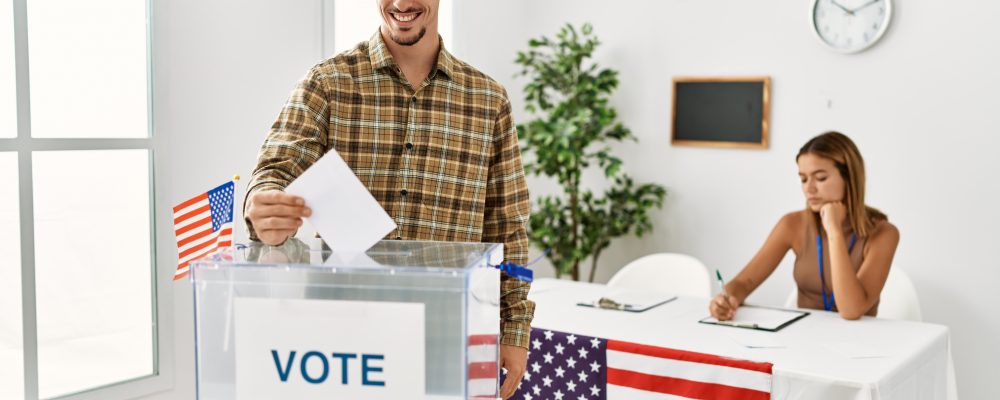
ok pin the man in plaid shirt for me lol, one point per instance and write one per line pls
(430, 136)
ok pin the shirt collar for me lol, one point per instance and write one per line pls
(380, 57)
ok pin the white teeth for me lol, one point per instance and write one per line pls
(405, 17)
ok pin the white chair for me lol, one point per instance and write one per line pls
(899, 298)
(898, 301)
(672, 273)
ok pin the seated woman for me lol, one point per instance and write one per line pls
(843, 248)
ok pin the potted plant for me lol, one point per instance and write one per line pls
(572, 133)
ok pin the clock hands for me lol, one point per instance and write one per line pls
(864, 5)
(846, 10)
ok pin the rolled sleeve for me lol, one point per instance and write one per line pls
(505, 221)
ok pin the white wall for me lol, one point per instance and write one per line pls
(919, 105)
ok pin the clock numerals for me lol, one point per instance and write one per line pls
(850, 25)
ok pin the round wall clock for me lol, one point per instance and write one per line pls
(849, 26)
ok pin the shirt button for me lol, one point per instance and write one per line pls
(403, 192)
(409, 146)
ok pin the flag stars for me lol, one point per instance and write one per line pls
(561, 365)
(582, 397)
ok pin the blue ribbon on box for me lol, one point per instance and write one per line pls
(520, 272)
(516, 271)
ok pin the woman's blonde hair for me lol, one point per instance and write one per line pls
(839, 148)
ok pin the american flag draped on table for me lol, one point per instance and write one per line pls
(564, 366)
(202, 225)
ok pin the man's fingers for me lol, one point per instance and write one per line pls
(510, 384)
(274, 237)
(277, 223)
(277, 197)
(277, 210)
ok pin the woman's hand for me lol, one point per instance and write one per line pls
(723, 307)
(833, 215)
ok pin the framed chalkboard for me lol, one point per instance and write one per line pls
(721, 111)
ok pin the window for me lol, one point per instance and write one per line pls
(11, 356)
(79, 225)
(92, 268)
(88, 68)
(8, 83)
(356, 21)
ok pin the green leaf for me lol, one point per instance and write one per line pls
(569, 97)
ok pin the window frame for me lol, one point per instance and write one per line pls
(161, 378)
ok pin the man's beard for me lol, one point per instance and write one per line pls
(411, 42)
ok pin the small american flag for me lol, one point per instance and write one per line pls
(202, 225)
(563, 366)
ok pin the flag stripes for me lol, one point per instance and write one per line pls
(202, 225)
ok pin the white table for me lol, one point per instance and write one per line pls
(824, 356)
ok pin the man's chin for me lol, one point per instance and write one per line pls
(410, 39)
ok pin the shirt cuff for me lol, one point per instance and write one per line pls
(515, 333)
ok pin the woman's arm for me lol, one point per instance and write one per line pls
(856, 293)
(758, 269)
(767, 258)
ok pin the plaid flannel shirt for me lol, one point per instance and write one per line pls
(443, 160)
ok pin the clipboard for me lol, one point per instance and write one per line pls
(770, 319)
(629, 300)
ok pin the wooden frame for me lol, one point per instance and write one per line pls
(765, 109)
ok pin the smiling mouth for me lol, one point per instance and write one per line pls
(405, 16)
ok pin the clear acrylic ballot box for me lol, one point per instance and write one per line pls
(404, 320)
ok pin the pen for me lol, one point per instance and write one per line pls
(722, 285)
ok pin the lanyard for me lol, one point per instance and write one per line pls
(828, 303)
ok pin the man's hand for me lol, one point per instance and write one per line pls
(514, 359)
(276, 215)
